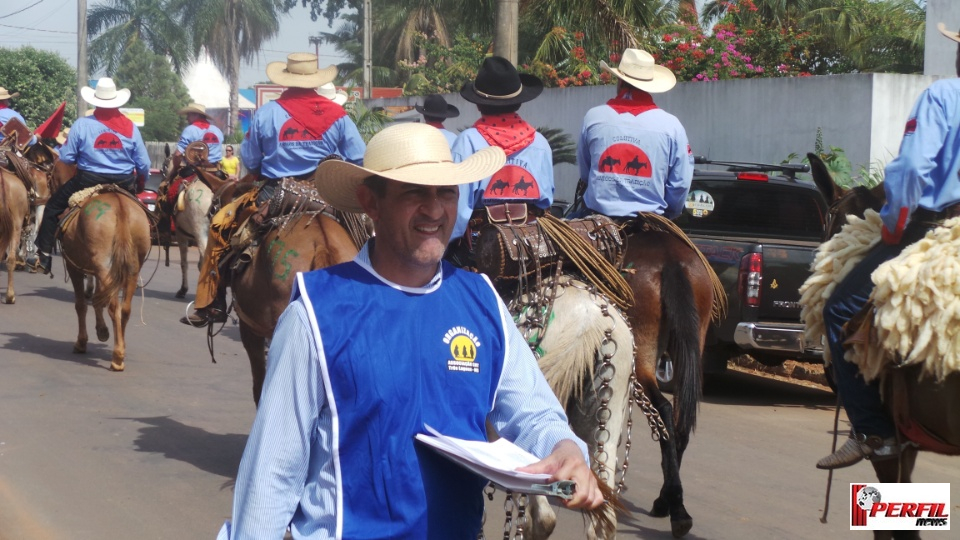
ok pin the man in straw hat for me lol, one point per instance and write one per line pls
(288, 137)
(6, 113)
(106, 147)
(437, 345)
(200, 129)
(329, 91)
(498, 91)
(633, 156)
(922, 190)
(435, 111)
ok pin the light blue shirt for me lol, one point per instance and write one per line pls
(211, 135)
(276, 157)
(634, 164)
(925, 172)
(6, 114)
(292, 432)
(536, 160)
(451, 136)
(93, 147)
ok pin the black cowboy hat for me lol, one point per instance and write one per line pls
(435, 106)
(499, 83)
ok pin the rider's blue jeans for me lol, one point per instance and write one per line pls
(860, 400)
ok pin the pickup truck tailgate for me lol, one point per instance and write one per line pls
(785, 268)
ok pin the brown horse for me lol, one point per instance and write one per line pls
(14, 207)
(108, 239)
(675, 295)
(303, 242)
(909, 398)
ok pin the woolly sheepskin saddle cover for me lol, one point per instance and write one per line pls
(917, 298)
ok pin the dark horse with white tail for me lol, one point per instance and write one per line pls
(924, 409)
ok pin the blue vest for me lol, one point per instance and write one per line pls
(396, 361)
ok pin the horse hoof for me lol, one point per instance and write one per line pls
(680, 527)
(79, 349)
(182, 293)
(120, 367)
(660, 508)
(103, 334)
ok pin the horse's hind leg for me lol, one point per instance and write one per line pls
(257, 352)
(184, 245)
(80, 304)
(11, 296)
(120, 313)
(103, 333)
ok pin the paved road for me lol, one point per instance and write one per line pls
(152, 452)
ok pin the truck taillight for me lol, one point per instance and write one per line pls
(750, 278)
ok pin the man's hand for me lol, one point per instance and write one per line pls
(566, 463)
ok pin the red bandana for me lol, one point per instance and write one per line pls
(314, 111)
(3, 105)
(508, 131)
(633, 101)
(115, 120)
(438, 125)
(201, 123)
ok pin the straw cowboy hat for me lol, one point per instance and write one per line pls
(434, 106)
(105, 95)
(300, 71)
(4, 94)
(330, 92)
(62, 136)
(499, 83)
(193, 108)
(940, 26)
(410, 152)
(639, 70)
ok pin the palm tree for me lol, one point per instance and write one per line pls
(231, 30)
(117, 24)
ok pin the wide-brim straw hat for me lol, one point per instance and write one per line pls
(4, 94)
(106, 94)
(193, 108)
(330, 92)
(638, 69)
(62, 136)
(499, 83)
(412, 153)
(952, 35)
(300, 71)
(434, 106)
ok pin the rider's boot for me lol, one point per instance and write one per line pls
(44, 262)
(859, 447)
(216, 312)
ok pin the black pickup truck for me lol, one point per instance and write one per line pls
(758, 225)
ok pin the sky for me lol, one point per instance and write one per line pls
(52, 25)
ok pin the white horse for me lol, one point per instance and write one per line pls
(192, 222)
(587, 356)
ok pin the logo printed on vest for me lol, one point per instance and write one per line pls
(463, 347)
(513, 183)
(107, 141)
(294, 131)
(625, 158)
(211, 138)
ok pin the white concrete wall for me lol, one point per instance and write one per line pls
(940, 54)
(759, 120)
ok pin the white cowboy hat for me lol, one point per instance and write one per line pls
(330, 92)
(639, 70)
(4, 94)
(952, 35)
(106, 94)
(300, 71)
(193, 108)
(413, 153)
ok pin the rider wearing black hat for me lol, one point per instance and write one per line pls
(435, 110)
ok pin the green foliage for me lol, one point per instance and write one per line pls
(369, 121)
(156, 89)
(562, 145)
(442, 70)
(840, 168)
(113, 26)
(562, 61)
(44, 80)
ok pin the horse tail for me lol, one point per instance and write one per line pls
(124, 259)
(682, 325)
(6, 218)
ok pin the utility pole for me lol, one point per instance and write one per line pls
(367, 41)
(505, 40)
(315, 41)
(82, 79)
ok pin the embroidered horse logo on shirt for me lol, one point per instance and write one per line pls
(293, 130)
(513, 183)
(623, 158)
(107, 141)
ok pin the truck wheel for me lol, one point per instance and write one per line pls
(665, 376)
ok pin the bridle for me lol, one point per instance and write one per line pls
(834, 212)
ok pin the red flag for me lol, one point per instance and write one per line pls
(51, 127)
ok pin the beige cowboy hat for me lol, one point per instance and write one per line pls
(952, 35)
(105, 95)
(62, 136)
(300, 71)
(4, 94)
(413, 153)
(330, 92)
(193, 108)
(638, 69)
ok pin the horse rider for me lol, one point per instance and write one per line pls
(200, 129)
(106, 147)
(288, 137)
(329, 91)
(922, 190)
(435, 111)
(633, 156)
(498, 91)
(327, 461)
(6, 113)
